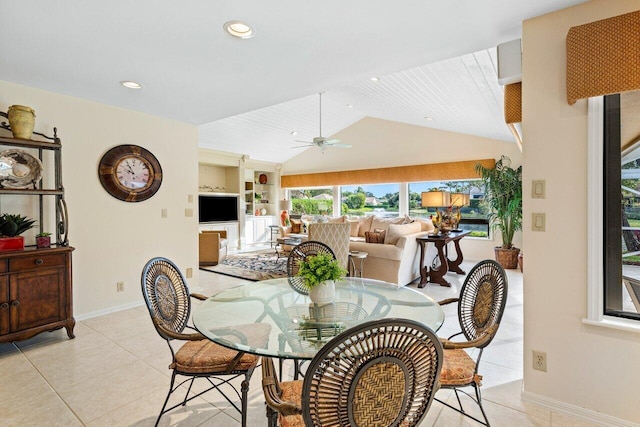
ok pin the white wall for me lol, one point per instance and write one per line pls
(114, 239)
(588, 366)
(381, 143)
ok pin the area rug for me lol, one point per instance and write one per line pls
(254, 266)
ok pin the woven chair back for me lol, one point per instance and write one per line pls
(380, 373)
(482, 299)
(166, 294)
(298, 255)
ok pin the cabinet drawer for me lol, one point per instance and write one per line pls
(36, 262)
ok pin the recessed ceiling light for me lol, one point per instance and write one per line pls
(131, 85)
(428, 118)
(375, 79)
(239, 29)
(293, 132)
(349, 106)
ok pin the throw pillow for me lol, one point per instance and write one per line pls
(365, 225)
(339, 220)
(295, 226)
(374, 236)
(395, 231)
(354, 227)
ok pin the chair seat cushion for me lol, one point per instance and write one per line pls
(291, 392)
(457, 368)
(204, 356)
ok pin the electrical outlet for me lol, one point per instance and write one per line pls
(163, 213)
(188, 212)
(540, 361)
(189, 273)
(120, 287)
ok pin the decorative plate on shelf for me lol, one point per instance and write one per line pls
(19, 169)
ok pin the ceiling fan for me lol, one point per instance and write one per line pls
(320, 141)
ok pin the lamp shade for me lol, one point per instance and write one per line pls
(285, 205)
(459, 199)
(435, 199)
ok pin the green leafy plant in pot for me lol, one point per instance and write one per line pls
(11, 226)
(319, 272)
(503, 197)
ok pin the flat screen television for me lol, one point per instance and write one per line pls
(217, 208)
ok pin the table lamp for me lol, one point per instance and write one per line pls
(285, 206)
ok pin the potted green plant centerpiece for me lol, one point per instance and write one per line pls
(43, 240)
(503, 196)
(319, 273)
(11, 226)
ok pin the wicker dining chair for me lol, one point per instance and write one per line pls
(168, 300)
(483, 297)
(380, 373)
(297, 256)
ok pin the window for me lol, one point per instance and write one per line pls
(382, 200)
(474, 216)
(311, 201)
(621, 203)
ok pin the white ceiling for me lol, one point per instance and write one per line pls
(194, 72)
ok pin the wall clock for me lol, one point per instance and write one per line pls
(130, 173)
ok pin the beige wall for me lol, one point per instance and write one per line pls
(588, 366)
(383, 143)
(114, 239)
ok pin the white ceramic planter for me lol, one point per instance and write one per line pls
(324, 293)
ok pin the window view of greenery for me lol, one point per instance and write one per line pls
(474, 217)
(311, 201)
(383, 200)
(380, 200)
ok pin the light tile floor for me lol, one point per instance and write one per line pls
(114, 373)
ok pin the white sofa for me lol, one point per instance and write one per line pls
(397, 259)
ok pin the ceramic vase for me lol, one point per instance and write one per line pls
(323, 293)
(22, 121)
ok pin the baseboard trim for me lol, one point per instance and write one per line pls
(109, 310)
(576, 411)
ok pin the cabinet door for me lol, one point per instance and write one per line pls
(37, 298)
(260, 230)
(5, 302)
(248, 232)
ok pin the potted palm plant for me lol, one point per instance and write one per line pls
(503, 197)
(319, 273)
(11, 226)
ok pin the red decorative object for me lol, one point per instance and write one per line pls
(12, 243)
(263, 178)
(43, 242)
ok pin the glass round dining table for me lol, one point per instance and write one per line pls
(298, 328)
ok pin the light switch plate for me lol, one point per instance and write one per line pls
(538, 190)
(538, 221)
(188, 212)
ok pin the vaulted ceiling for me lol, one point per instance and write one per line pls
(192, 71)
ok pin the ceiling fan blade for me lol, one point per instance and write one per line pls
(341, 145)
(303, 146)
(304, 142)
(332, 141)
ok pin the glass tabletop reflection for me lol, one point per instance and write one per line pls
(298, 327)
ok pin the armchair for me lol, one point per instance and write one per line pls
(212, 246)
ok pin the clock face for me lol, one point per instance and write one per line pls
(130, 173)
(133, 173)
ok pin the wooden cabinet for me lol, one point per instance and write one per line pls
(35, 292)
(36, 284)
